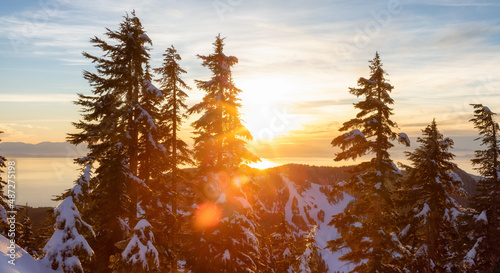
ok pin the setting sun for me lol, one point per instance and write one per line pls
(266, 107)
(262, 164)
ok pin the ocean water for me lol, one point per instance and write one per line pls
(39, 180)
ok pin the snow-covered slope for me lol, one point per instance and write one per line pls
(24, 263)
(303, 193)
(310, 204)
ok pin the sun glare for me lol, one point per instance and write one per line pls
(263, 164)
(264, 106)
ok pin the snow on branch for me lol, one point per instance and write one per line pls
(63, 248)
(404, 139)
(424, 211)
(140, 249)
(471, 255)
(367, 81)
(354, 134)
(150, 88)
(482, 217)
(146, 37)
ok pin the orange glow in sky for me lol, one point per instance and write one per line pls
(262, 164)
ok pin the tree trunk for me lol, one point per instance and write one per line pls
(174, 180)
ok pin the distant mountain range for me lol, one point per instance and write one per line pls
(43, 149)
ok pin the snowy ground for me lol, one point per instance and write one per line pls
(24, 263)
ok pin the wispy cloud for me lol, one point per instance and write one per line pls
(302, 56)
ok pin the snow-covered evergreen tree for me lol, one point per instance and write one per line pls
(221, 156)
(311, 260)
(485, 249)
(294, 252)
(67, 246)
(368, 224)
(140, 254)
(284, 246)
(172, 86)
(430, 224)
(121, 129)
(230, 242)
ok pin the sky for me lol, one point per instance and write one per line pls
(297, 60)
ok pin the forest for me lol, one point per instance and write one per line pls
(146, 201)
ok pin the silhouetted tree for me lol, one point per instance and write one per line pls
(368, 224)
(172, 86)
(221, 155)
(121, 129)
(485, 249)
(430, 222)
(220, 135)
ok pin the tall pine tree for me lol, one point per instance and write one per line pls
(220, 135)
(368, 224)
(221, 155)
(485, 250)
(172, 86)
(430, 220)
(120, 128)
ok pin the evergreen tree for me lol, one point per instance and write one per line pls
(172, 87)
(485, 250)
(140, 254)
(67, 246)
(82, 199)
(265, 263)
(431, 212)
(368, 223)
(311, 260)
(45, 232)
(284, 251)
(26, 238)
(120, 128)
(220, 135)
(221, 156)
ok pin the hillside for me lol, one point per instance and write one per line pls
(302, 191)
(304, 195)
(24, 263)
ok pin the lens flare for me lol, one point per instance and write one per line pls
(240, 180)
(207, 215)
